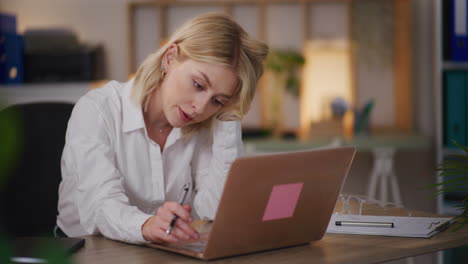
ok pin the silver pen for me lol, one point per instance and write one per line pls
(364, 224)
(181, 202)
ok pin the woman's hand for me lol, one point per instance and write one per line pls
(154, 229)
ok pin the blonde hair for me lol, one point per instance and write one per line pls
(210, 38)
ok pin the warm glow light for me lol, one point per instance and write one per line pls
(326, 75)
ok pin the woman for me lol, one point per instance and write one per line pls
(131, 147)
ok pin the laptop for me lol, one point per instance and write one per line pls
(272, 201)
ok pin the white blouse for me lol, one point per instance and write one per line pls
(114, 177)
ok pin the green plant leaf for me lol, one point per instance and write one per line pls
(447, 182)
(460, 223)
(460, 173)
(452, 173)
(453, 188)
(465, 198)
(453, 166)
(10, 142)
(458, 156)
(446, 190)
(286, 62)
(455, 159)
(465, 149)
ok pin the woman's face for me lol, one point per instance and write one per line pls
(193, 91)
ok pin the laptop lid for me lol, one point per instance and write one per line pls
(272, 201)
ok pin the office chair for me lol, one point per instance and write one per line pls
(29, 193)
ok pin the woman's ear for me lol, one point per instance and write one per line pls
(171, 55)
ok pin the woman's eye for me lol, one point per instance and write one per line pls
(197, 85)
(218, 102)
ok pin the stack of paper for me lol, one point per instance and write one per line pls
(402, 226)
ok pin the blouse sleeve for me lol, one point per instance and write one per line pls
(89, 159)
(211, 164)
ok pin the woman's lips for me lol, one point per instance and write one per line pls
(184, 116)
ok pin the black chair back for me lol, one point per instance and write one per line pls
(29, 188)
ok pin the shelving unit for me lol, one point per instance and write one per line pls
(438, 63)
(444, 205)
(442, 66)
(47, 92)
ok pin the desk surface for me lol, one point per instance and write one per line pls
(333, 248)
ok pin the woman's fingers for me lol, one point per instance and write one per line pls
(180, 234)
(187, 229)
(179, 210)
(154, 229)
(187, 207)
(181, 229)
(162, 235)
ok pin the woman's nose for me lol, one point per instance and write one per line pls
(200, 103)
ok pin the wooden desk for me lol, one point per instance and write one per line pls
(333, 248)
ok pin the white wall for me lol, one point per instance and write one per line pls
(373, 30)
(423, 66)
(146, 18)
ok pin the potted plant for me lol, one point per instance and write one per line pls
(10, 135)
(455, 171)
(284, 65)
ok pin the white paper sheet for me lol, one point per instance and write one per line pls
(403, 226)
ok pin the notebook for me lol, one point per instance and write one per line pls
(272, 201)
(405, 226)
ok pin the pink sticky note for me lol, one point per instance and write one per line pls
(283, 201)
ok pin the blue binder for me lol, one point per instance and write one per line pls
(13, 71)
(7, 26)
(459, 29)
(455, 108)
(2, 58)
(7, 23)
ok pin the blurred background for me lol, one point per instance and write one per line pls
(367, 73)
